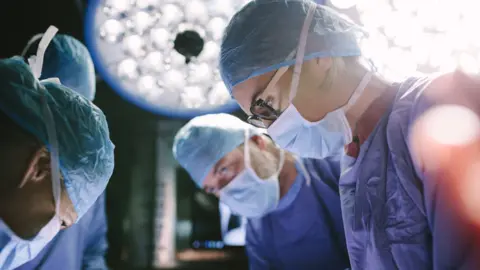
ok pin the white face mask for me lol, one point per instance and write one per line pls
(250, 196)
(315, 139)
(318, 139)
(15, 251)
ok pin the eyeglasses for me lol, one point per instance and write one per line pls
(261, 109)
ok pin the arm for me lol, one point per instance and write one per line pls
(255, 251)
(96, 241)
(440, 167)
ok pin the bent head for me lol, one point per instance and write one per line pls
(259, 51)
(232, 160)
(264, 160)
(84, 150)
(26, 196)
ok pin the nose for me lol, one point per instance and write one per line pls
(209, 189)
(65, 224)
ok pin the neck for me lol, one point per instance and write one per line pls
(288, 174)
(375, 88)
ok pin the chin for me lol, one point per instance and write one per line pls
(31, 230)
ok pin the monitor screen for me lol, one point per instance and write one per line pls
(214, 226)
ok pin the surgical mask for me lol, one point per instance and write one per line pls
(15, 251)
(250, 196)
(313, 139)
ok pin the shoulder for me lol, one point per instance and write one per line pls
(417, 95)
(326, 167)
(409, 101)
(95, 214)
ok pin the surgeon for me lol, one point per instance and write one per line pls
(83, 245)
(297, 69)
(56, 158)
(292, 204)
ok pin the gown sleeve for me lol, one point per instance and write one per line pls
(454, 240)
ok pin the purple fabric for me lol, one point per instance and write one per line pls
(303, 235)
(394, 216)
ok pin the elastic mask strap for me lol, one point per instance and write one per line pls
(246, 151)
(30, 43)
(301, 51)
(36, 64)
(281, 161)
(359, 90)
(308, 179)
(51, 80)
(36, 61)
(54, 156)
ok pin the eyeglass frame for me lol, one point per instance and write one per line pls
(261, 103)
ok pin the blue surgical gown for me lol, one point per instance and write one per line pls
(82, 246)
(305, 231)
(395, 216)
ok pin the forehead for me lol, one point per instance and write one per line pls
(234, 154)
(245, 91)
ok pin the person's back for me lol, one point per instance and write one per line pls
(306, 230)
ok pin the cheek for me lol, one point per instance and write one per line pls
(210, 182)
(235, 170)
(243, 94)
(309, 83)
(283, 89)
(264, 165)
(238, 169)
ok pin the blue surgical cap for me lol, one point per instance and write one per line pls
(84, 147)
(206, 139)
(68, 59)
(264, 34)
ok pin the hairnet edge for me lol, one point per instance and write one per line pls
(292, 62)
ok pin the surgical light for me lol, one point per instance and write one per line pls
(162, 55)
(408, 37)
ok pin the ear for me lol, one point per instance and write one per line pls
(323, 63)
(38, 168)
(259, 141)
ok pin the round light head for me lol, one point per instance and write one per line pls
(162, 55)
